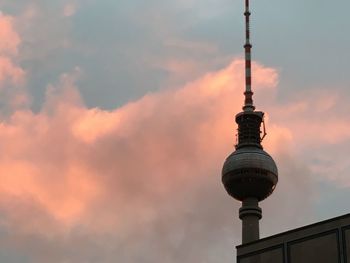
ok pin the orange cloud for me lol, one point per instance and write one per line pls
(318, 127)
(68, 157)
(148, 173)
(10, 38)
(314, 117)
(70, 9)
(9, 71)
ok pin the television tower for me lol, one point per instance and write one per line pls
(249, 174)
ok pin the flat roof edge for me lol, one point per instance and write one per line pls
(295, 230)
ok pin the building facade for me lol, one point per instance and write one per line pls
(323, 242)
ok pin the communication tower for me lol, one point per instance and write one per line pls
(249, 174)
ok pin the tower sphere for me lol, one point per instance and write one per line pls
(249, 172)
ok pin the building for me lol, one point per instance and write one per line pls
(324, 242)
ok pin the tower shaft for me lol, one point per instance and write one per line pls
(250, 213)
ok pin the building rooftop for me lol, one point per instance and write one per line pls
(323, 242)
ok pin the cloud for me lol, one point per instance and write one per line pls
(142, 182)
(145, 176)
(12, 76)
(70, 9)
(9, 71)
(317, 123)
(10, 38)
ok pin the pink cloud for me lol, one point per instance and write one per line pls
(148, 173)
(70, 9)
(317, 128)
(66, 157)
(9, 72)
(314, 117)
(10, 38)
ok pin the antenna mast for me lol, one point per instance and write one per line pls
(248, 102)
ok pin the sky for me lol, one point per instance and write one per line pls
(116, 118)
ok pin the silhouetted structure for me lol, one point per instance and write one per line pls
(323, 242)
(249, 174)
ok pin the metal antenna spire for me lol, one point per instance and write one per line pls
(248, 102)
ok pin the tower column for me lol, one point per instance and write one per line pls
(250, 213)
(249, 173)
